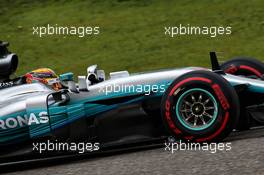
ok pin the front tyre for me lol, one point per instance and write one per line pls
(200, 106)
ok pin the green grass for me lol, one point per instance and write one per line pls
(132, 33)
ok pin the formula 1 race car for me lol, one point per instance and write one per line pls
(192, 104)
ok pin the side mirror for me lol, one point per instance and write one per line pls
(94, 75)
(92, 69)
(3, 48)
(101, 75)
(8, 62)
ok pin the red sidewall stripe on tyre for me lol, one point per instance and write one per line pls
(220, 95)
(218, 131)
(251, 69)
(168, 114)
(187, 80)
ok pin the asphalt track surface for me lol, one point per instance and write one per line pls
(245, 157)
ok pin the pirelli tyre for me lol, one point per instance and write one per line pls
(200, 106)
(250, 68)
(243, 66)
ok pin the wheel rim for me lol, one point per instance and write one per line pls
(196, 109)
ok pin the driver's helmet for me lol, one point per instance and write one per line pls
(45, 76)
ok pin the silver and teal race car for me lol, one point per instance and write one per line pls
(192, 104)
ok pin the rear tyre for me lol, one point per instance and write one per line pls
(200, 106)
(250, 68)
(243, 66)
